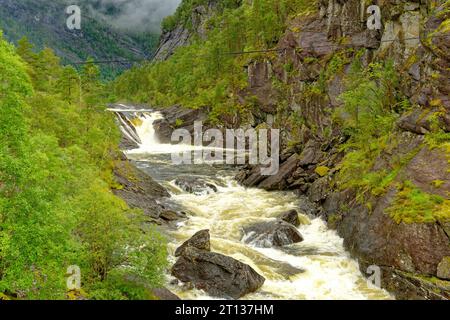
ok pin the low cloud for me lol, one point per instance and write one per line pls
(134, 15)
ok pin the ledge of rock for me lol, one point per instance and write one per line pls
(140, 191)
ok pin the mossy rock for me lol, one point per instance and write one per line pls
(322, 171)
(443, 270)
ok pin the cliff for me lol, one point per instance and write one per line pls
(373, 197)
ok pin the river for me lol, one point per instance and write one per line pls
(317, 268)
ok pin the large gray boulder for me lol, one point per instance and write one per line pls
(290, 217)
(195, 185)
(276, 233)
(216, 274)
(200, 240)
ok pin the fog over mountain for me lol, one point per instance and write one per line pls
(134, 15)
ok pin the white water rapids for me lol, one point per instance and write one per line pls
(317, 268)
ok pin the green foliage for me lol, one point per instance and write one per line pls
(201, 75)
(183, 15)
(56, 207)
(437, 137)
(98, 37)
(368, 117)
(412, 205)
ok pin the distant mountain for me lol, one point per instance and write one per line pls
(43, 22)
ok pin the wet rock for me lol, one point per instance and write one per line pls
(200, 240)
(195, 185)
(276, 233)
(443, 270)
(319, 189)
(169, 215)
(290, 217)
(216, 274)
(165, 294)
(278, 181)
(408, 286)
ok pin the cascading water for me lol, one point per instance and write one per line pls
(317, 268)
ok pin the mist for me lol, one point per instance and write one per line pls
(135, 15)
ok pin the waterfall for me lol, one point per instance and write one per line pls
(146, 131)
(317, 268)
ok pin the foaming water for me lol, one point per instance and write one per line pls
(317, 268)
(150, 143)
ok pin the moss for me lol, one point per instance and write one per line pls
(4, 297)
(322, 171)
(179, 123)
(136, 122)
(438, 183)
(412, 205)
(333, 220)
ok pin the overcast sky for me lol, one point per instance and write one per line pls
(140, 15)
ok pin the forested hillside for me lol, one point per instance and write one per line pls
(364, 122)
(58, 147)
(43, 22)
(364, 114)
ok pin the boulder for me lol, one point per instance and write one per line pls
(276, 233)
(195, 185)
(216, 274)
(200, 240)
(169, 215)
(290, 217)
(443, 270)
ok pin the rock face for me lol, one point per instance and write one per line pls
(216, 274)
(411, 255)
(276, 233)
(177, 117)
(195, 185)
(140, 191)
(181, 35)
(443, 270)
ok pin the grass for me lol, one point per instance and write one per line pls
(412, 205)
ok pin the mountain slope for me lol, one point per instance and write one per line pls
(43, 22)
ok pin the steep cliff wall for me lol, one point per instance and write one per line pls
(380, 219)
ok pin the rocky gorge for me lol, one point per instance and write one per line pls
(305, 79)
